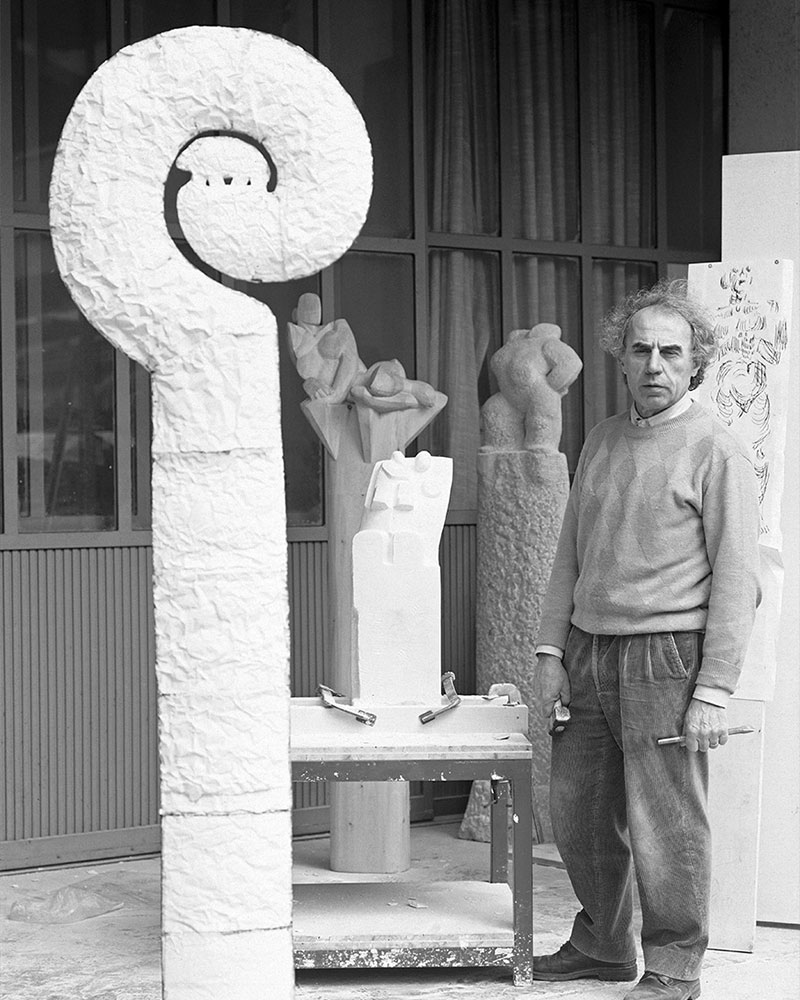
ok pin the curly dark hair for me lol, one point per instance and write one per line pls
(670, 296)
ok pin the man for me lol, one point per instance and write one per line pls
(644, 628)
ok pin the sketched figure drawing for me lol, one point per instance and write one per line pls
(753, 336)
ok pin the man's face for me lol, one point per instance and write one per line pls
(657, 360)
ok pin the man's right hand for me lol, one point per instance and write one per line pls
(550, 683)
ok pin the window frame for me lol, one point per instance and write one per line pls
(28, 216)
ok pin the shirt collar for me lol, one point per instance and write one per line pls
(670, 413)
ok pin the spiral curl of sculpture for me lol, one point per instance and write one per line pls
(146, 107)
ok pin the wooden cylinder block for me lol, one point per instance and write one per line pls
(370, 829)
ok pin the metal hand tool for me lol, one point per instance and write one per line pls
(328, 695)
(559, 719)
(453, 699)
(736, 731)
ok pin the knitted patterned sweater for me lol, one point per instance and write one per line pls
(660, 534)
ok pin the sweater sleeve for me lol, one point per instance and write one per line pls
(731, 527)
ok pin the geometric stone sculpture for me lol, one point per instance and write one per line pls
(281, 194)
(397, 581)
(523, 484)
(396, 628)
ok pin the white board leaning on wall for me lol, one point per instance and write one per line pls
(747, 386)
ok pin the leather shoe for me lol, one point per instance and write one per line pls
(569, 963)
(656, 986)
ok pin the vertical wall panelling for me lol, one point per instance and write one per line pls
(308, 574)
(78, 716)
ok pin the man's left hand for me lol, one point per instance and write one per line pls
(705, 726)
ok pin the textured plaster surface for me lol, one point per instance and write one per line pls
(397, 580)
(218, 505)
(248, 965)
(119, 142)
(246, 884)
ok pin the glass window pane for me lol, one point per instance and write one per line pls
(619, 119)
(464, 323)
(65, 402)
(141, 425)
(375, 294)
(612, 281)
(694, 128)
(462, 117)
(144, 18)
(56, 48)
(544, 120)
(371, 56)
(302, 451)
(290, 19)
(548, 290)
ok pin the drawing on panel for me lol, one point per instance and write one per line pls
(753, 336)
(747, 384)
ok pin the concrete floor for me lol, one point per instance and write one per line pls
(115, 955)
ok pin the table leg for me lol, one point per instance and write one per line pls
(499, 831)
(523, 875)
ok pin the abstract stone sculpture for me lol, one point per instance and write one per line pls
(523, 484)
(326, 358)
(218, 528)
(534, 369)
(397, 581)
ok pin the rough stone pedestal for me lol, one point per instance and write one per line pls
(521, 501)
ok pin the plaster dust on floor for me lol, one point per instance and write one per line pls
(116, 955)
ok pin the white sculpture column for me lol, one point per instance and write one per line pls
(218, 526)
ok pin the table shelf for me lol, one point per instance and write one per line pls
(372, 924)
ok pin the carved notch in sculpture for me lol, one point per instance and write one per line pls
(392, 409)
(221, 605)
(534, 369)
(397, 581)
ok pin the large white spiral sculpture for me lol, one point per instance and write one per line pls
(280, 183)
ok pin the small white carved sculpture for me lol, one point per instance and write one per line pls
(326, 358)
(534, 370)
(219, 564)
(397, 580)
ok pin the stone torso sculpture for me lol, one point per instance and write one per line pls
(534, 369)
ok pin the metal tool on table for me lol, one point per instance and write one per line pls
(559, 718)
(509, 692)
(453, 699)
(681, 740)
(329, 696)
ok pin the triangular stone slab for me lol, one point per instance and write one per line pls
(384, 433)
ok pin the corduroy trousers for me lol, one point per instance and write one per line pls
(621, 804)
